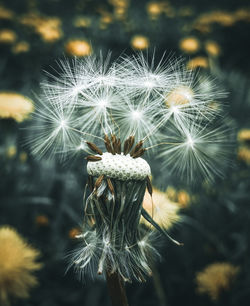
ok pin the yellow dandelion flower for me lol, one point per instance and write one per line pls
(77, 47)
(139, 42)
(205, 21)
(196, 62)
(120, 8)
(5, 13)
(82, 22)
(212, 48)
(244, 135)
(21, 47)
(242, 15)
(189, 44)
(15, 106)
(23, 157)
(11, 151)
(17, 264)
(183, 198)
(49, 28)
(171, 193)
(216, 278)
(162, 210)
(179, 96)
(7, 36)
(154, 9)
(244, 154)
(106, 18)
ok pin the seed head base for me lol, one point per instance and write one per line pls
(119, 166)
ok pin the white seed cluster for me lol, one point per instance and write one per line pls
(119, 166)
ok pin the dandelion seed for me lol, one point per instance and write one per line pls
(196, 150)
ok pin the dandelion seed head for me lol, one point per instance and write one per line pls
(117, 112)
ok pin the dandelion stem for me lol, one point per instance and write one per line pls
(158, 286)
(116, 289)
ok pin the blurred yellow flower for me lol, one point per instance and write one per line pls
(196, 62)
(183, 198)
(189, 44)
(77, 47)
(7, 36)
(5, 13)
(21, 47)
(82, 22)
(17, 264)
(139, 42)
(155, 9)
(215, 278)
(15, 106)
(242, 14)
(49, 28)
(205, 21)
(244, 154)
(11, 151)
(244, 135)
(212, 48)
(120, 8)
(162, 210)
(23, 157)
(179, 96)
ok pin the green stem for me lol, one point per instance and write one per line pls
(116, 289)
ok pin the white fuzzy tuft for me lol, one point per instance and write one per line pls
(134, 96)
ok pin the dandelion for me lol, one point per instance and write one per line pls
(139, 42)
(244, 135)
(212, 48)
(198, 62)
(116, 113)
(244, 154)
(15, 106)
(7, 36)
(215, 278)
(190, 44)
(21, 47)
(17, 264)
(77, 47)
(163, 211)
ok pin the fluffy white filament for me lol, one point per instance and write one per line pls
(166, 105)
